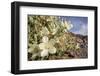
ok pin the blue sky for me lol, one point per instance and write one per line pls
(80, 24)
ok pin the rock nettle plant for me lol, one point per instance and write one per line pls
(49, 38)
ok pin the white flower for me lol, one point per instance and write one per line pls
(30, 50)
(45, 39)
(52, 50)
(42, 46)
(52, 41)
(47, 47)
(68, 25)
(44, 53)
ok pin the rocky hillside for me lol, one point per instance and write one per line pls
(77, 47)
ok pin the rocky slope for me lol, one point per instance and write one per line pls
(82, 52)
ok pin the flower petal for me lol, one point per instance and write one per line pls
(52, 42)
(45, 39)
(42, 46)
(44, 53)
(52, 50)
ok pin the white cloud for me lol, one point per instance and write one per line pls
(83, 30)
